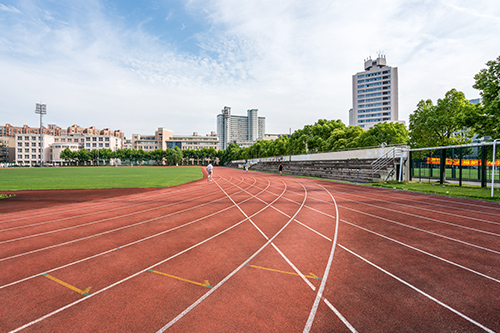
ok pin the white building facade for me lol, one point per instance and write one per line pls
(374, 94)
(28, 147)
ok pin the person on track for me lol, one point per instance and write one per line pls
(209, 171)
(280, 169)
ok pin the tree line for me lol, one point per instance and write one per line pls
(170, 156)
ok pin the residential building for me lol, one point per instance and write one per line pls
(28, 148)
(27, 145)
(242, 130)
(7, 149)
(374, 94)
(54, 130)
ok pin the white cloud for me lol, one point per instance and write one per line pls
(11, 9)
(293, 60)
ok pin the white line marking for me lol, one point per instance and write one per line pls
(122, 246)
(346, 323)
(192, 306)
(131, 276)
(112, 230)
(321, 288)
(421, 292)
(430, 210)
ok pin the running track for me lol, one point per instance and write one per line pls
(253, 252)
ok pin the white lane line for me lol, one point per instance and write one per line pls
(96, 235)
(87, 205)
(341, 317)
(136, 274)
(321, 288)
(267, 238)
(202, 298)
(103, 220)
(420, 291)
(121, 246)
(401, 224)
(401, 243)
(428, 209)
(429, 197)
(325, 275)
(106, 211)
(429, 218)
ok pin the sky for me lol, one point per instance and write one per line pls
(138, 65)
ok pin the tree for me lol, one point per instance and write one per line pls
(442, 124)
(68, 155)
(83, 156)
(486, 119)
(388, 133)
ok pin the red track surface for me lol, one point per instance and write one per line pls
(252, 252)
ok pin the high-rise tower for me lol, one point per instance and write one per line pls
(244, 131)
(374, 94)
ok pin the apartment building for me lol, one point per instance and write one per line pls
(27, 147)
(7, 149)
(374, 94)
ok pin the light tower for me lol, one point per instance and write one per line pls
(41, 109)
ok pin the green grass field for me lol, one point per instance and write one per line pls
(14, 179)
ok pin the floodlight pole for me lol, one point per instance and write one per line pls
(41, 109)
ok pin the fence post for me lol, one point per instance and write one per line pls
(483, 166)
(460, 167)
(442, 166)
(493, 167)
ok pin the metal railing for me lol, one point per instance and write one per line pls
(386, 159)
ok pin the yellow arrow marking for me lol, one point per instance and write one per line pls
(82, 292)
(310, 276)
(204, 284)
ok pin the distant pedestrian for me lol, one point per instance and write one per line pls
(246, 167)
(280, 168)
(210, 169)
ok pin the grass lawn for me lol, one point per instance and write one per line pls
(14, 179)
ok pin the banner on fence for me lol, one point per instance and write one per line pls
(465, 162)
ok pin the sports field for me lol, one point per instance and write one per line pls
(14, 179)
(253, 252)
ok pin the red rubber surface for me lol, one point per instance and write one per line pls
(396, 261)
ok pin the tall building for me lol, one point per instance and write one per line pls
(374, 94)
(242, 130)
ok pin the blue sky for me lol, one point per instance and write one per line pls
(140, 65)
